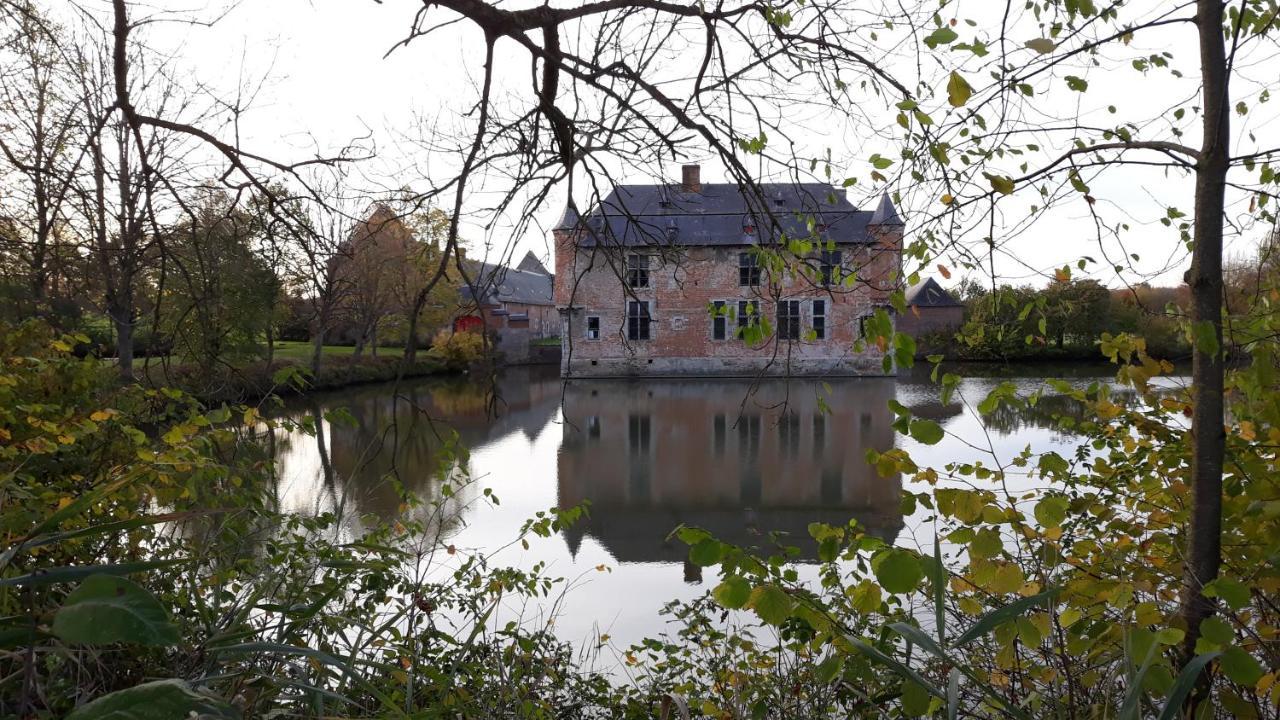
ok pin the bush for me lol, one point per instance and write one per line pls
(458, 350)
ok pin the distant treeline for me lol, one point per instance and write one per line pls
(1064, 320)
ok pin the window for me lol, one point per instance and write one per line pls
(593, 328)
(829, 267)
(789, 434)
(819, 319)
(748, 269)
(638, 320)
(748, 314)
(719, 323)
(639, 433)
(638, 271)
(788, 319)
(862, 327)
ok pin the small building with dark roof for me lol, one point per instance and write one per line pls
(510, 299)
(931, 311)
(694, 278)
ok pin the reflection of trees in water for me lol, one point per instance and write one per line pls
(1049, 413)
(377, 445)
(739, 460)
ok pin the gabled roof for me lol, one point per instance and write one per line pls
(724, 214)
(532, 264)
(928, 293)
(499, 284)
(886, 213)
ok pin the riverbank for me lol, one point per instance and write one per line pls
(286, 376)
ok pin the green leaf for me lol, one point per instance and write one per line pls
(1205, 336)
(926, 431)
(1240, 666)
(159, 700)
(958, 90)
(1044, 46)
(771, 603)
(1000, 183)
(828, 669)
(1078, 84)
(107, 609)
(915, 699)
(1216, 630)
(1051, 511)
(880, 163)
(733, 592)
(999, 616)
(706, 553)
(1186, 680)
(78, 572)
(897, 571)
(1233, 592)
(941, 36)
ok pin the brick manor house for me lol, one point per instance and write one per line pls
(664, 280)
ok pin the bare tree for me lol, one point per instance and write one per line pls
(39, 124)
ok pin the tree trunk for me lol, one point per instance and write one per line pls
(1204, 533)
(411, 340)
(317, 350)
(122, 319)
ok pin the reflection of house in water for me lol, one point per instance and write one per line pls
(651, 455)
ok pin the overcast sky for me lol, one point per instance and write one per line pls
(325, 78)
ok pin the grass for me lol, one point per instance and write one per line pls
(301, 351)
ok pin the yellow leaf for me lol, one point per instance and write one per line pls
(947, 199)
(100, 415)
(1247, 431)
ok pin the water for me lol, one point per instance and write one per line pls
(741, 459)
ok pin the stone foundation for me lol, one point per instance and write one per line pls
(718, 367)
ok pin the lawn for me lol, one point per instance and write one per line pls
(301, 351)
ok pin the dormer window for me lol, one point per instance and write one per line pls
(748, 270)
(664, 197)
(638, 271)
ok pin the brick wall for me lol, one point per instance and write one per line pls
(683, 283)
(927, 320)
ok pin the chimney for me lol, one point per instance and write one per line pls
(691, 178)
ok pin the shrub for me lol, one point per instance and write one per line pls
(458, 350)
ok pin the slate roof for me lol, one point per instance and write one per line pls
(531, 263)
(499, 283)
(722, 214)
(885, 213)
(928, 293)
